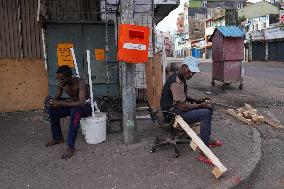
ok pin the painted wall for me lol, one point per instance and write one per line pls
(261, 8)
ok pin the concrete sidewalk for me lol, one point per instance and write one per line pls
(26, 163)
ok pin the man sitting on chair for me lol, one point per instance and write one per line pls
(174, 98)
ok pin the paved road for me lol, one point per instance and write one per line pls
(25, 163)
(267, 73)
(264, 88)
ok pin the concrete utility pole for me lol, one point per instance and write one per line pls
(128, 82)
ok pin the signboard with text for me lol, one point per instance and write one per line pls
(274, 33)
(169, 2)
(64, 56)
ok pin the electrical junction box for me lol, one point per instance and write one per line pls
(133, 43)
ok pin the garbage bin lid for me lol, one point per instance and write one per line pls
(192, 63)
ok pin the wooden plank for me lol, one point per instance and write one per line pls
(35, 27)
(272, 123)
(32, 20)
(149, 82)
(143, 117)
(6, 29)
(142, 108)
(221, 169)
(193, 146)
(158, 79)
(11, 29)
(29, 42)
(241, 110)
(17, 31)
(248, 107)
(2, 46)
(247, 114)
(234, 114)
(216, 172)
(20, 29)
(16, 39)
(24, 28)
(37, 32)
(261, 118)
(75, 16)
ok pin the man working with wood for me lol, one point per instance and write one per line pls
(76, 108)
(174, 98)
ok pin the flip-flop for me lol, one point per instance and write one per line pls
(216, 143)
(205, 160)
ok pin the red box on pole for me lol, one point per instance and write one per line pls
(133, 43)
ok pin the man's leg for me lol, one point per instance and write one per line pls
(74, 125)
(204, 116)
(55, 114)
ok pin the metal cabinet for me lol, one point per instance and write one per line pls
(85, 37)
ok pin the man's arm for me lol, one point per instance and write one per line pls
(82, 98)
(198, 101)
(190, 99)
(58, 93)
(183, 106)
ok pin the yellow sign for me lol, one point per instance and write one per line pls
(64, 56)
(100, 54)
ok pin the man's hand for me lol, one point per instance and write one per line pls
(204, 99)
(206, 105)
(55, 103)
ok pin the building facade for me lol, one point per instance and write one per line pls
(220, 13)
(197, 14)
(264, 36)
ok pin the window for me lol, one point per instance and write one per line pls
(196, 16)
(210, 13)
(205, 4)
(240, 5)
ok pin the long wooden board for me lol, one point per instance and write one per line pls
(219, 169)
(273, 124)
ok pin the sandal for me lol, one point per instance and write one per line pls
(206, 160)
(215, 143)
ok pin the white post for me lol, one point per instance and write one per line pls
(164, 60)
(90, 82)
(42, 36)
(44, 48)
(75, 62)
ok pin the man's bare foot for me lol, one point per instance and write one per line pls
(68, 153)
(54, 142)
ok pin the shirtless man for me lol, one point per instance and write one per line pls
(76, 108)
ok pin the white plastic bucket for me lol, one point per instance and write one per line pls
(94, 128)
(83, 124)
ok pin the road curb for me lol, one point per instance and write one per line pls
(242, 175)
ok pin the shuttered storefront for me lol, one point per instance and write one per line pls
(276, 51)
(258, 51)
